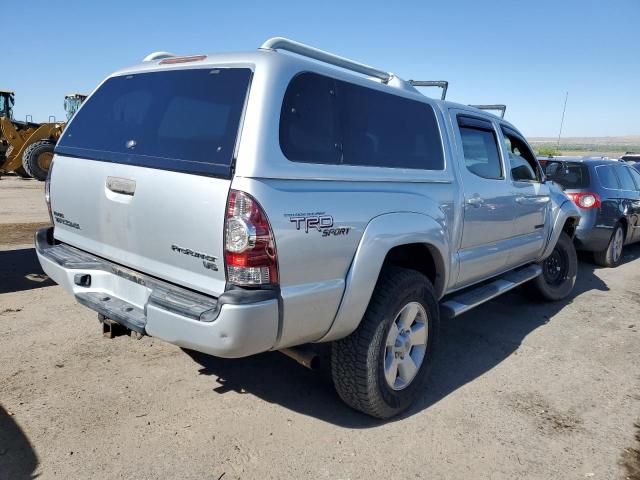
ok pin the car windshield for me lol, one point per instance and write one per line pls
(568, 175)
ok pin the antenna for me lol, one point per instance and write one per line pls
(562, 121)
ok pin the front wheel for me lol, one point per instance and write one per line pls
(559, 271)
(381, 367)
(37, 158)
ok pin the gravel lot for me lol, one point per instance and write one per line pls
(518, 390)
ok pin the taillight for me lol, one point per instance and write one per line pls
(47, 191)
(585, 200)
(250, 249)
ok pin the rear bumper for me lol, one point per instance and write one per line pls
(594, 239)
(237, 324)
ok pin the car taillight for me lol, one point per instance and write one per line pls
(47, 191)
(585, 200)
(250, 249)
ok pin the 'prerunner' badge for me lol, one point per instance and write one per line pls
(59, 218)
(208, 261)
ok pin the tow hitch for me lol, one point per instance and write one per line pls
(112, 329)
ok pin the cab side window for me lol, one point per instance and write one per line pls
(522, 163)
(480, 147)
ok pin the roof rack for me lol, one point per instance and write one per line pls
(443, 84)
(280, 43)
(157, 56)
(501, 108)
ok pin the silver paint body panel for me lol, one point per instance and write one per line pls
(326, 281)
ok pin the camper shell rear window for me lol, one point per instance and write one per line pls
(180, 120)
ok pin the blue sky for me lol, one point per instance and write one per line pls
(526, 54)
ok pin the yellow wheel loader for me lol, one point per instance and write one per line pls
(6, 149)
(29, 146)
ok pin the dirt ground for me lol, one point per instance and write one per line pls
(519, 390)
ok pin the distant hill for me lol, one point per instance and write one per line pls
(606, 146)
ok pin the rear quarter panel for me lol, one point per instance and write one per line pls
(314, 262)
(313, 265)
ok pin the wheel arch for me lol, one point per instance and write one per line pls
(421, 257)
(391, 239)
(625, 225)
(566, 219)
(570, 225)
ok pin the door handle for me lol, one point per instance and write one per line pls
(123, 186)
(532, 200)
(475, 201)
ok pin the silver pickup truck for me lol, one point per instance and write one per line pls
(240, 203)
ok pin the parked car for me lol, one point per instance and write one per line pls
(234, 204)
(608, 194)
(631, 158)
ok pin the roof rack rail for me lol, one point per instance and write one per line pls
(501, 108)
(280, 43)
(157, 56)
(443, 84)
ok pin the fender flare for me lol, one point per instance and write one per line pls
(566, 211)
(381, 235)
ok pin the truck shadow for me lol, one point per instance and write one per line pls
(20, 270)
(18, 460)
(470, 345)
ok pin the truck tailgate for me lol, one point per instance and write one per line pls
(163, 223)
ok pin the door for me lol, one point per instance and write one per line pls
(488, 202)
(630, 181)
(531, 200)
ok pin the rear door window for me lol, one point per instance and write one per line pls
(183, 120)
(480, 148)
(328, 121)
(568, 175)
(636, 177)
(608, 177)
(626, 180)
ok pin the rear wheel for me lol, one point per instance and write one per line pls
(612, 255)
(37, 158)
(559, 272)
(381, 367)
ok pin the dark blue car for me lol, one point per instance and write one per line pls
(608, 194)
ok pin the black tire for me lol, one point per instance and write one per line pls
(34, 159)
(357, 361)
(612, 255)
(559, 271)
(18, 171)
(21, 173)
